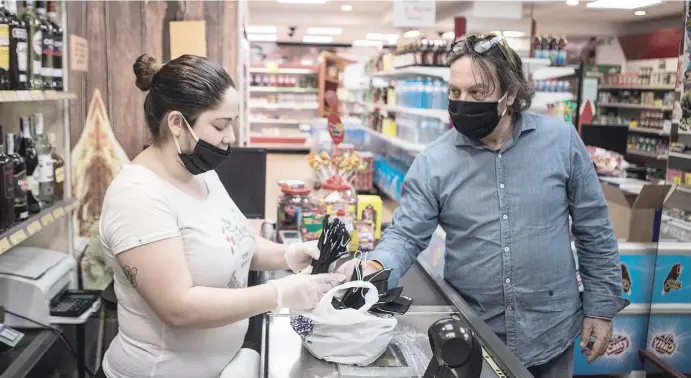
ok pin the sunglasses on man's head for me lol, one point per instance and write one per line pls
(481, 44)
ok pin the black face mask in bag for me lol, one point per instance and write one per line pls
(475, 120)
(205, 156)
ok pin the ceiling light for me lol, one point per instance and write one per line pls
(622, 4)
(411, 34)
(449, 35)
(513, 34)
(572, 3)
(324, 31)
(317, 39)
(302, 1)
(346, 7)
(639, 13)
(261, 29)
(262, 37)
(367, 43)
(307, 62)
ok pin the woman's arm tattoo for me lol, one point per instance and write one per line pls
(130, 274)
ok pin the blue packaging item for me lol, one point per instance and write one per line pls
(629, 331)
(672, 274)
(388, 177)
(669, 337)
(637, 276)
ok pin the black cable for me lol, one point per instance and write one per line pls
(60, 336)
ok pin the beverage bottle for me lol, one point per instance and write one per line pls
(545, 46)
(21, 212)
(59, 168)
(27, 148)
(553, 50)
(537, 46)
(47, 46)
(561, 59)
(6, 187)
(45, 175)
(4, 48)
(429, 93)
(19, 49)
(35, 41)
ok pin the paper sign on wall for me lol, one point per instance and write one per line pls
(187, 37)
(414, 14)
(79, 53)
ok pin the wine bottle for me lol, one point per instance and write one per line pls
(27, 149)
(21, 212)
(4, 48)
(47, 46)
(6, 188)
(57, 46)
(59, 168)
(33, 26)
(19, 49)
(44, 171)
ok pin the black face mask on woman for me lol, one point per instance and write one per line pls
(475, 120)
(205, 156)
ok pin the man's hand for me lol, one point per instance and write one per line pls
(601, 331)
(348, 267)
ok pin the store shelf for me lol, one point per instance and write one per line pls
(407, 146)
(680, 155)
(268, 121)
(443, 115)
(547, 73)
(283, 90)
(29, 96)
(635, 106)
(638, 87)
(294, 71)
(646, 130)
(30, 227)
(285, 105)
(441, 72)
(536, 62)
(646, 154)
(542, 99)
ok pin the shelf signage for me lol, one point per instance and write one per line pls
(79, 53)
(414, 14)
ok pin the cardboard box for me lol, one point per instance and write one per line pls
(633, 214)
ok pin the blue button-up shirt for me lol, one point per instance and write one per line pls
(506, 218)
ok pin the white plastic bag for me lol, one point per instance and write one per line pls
(347, 336)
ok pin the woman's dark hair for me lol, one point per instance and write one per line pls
(189, 84)
(504, 60)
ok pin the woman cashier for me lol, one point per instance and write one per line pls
(180, 248)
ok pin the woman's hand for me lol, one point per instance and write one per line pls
(299, 256)
(368, 267)
(302, 291)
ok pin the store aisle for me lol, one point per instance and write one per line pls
(294, 167)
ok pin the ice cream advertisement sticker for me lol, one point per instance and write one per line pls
(664, 344)
(618, 345)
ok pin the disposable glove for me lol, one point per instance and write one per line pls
(302, 291)
(348, 267)
(299, 256)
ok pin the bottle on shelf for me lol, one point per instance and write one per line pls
(537, 46)
(27, 148)
(35, 41)
(6, 188)
(19, 49)
(57, 46)
(47, 46)
(21, 212)
(58, 168)
(561, 50)
(45, 175)
(4, 48)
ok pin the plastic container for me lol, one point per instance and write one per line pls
(292, 204)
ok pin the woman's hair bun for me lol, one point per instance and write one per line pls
(145, 68)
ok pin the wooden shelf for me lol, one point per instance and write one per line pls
(30, 227)
(32, 96)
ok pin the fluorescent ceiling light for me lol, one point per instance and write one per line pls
(411, 34)
(262, 29)
(346, 7)
(622, 4)
(307, 62)
(302, 1)
(449, 35)
(262, 37)
(324, 31)
(572, 3)
(513, 34)
(639, 13)
(367, 43)
(317, 39)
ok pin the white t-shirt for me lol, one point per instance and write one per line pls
(139, 208)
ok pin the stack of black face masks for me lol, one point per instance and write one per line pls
(332, 244)
(390, 301)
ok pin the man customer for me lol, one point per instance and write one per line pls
(503, 185)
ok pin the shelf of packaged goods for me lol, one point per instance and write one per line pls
(442, 114)
(283, 90)
(646, 130)
(639, 87)
(635, 106)
(646, 154)
(28, 96)
(543, 99)
(268, 121)
(18, 233)
(553, 72)
(680, 155)
(536, 62)
(285, 105)
(441, 72)
(293, 71)
(400, 143)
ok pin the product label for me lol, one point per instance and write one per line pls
(672, 282)
(45, 169)
(4, 47)
(20, 189)
(47, 64)
(37, 45)
(664, 344)
(59, 175)
(57, 47)
(618, 344)
(8, 180)
(32, 184)
(22, 57)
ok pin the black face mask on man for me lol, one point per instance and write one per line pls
(475, 120)
(205, 156)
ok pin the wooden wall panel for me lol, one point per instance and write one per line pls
(212, 16)
(229, 39)
(97, 77)
(192, 10)
(125, 45)
(76, 25)
(155, 20)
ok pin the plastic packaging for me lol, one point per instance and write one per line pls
(291, 205)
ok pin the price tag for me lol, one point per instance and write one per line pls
(2, 96)
(4, 245)
(47, 219)
(23, 95)
(34, 227)
(9, 96)
(59, 212)
(18, 237)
